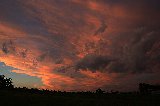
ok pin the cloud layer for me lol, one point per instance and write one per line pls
(77, 45)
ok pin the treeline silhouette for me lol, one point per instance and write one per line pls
(7, 84)
(23, 96)
(147, 88)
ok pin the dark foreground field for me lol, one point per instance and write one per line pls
(18, 98)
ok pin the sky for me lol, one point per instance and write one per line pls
(76, 45)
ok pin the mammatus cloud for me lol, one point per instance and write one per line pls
(77, 45)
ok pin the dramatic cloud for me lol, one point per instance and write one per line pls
(93, 62)
(82, 45)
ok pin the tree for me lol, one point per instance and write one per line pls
(5, 83)
(99, 91)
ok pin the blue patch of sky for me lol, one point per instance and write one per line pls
(19, 80)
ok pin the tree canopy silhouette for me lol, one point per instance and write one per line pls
(5, 83)
(148, 88)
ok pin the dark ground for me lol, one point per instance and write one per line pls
(19, 98)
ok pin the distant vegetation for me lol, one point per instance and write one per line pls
(16, 96)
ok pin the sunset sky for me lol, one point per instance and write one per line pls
(76, 45)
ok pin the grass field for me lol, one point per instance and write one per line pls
(16, 98)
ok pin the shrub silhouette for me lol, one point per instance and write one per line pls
(5, 83)
(99, 91)
(148, 88)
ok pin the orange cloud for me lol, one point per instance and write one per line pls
(70, 30)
